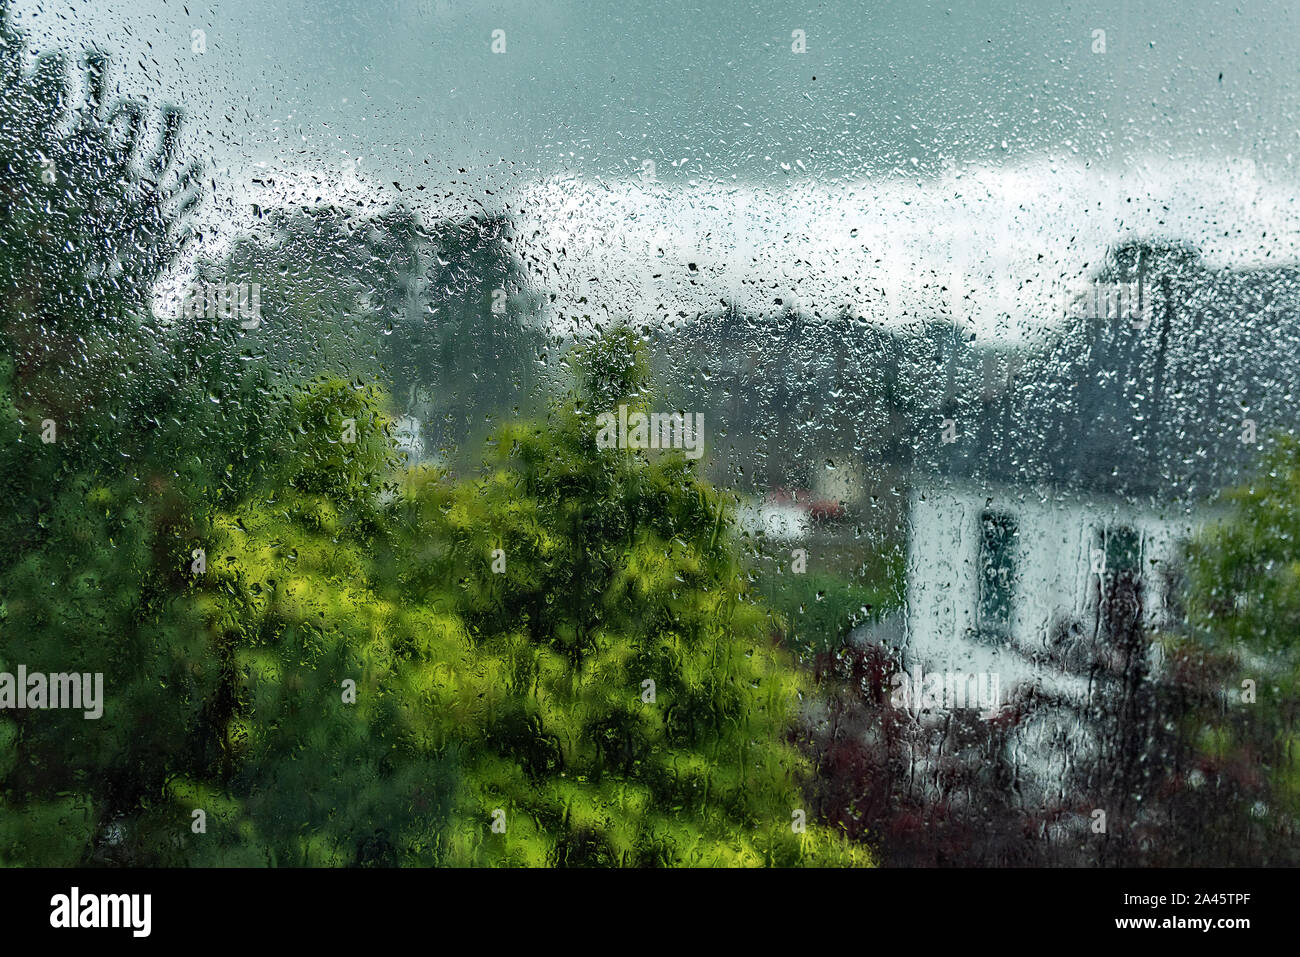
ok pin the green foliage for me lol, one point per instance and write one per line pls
(818, 610)
(342, 447)
(475, 691)
(82, 185)
(1247, 568)
(1244, 604)
(308, 657)
(611, 569)
(326, 750)
(613, 368)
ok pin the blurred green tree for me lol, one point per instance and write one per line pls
(91, 215)
(1244, 606)
(590, 638)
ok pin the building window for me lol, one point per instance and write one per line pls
(1123, 549)
(997, 574)
(1118, 591)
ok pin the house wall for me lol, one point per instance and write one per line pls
(782, 523)
(844, 484)
(1054, 579)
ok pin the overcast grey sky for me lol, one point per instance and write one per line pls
(1188, 99)
(591, 87)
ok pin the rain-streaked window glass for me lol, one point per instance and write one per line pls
(448, 433)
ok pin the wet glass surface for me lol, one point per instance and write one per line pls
(568, 434)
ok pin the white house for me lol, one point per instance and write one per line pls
(999, 578)
(781, 522)
(995, 573)
(1042, 512)
(408, 438)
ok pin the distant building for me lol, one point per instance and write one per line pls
(407, 434)
(781, 522)
(998, 573)
(840, 484)
(1035, 506)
